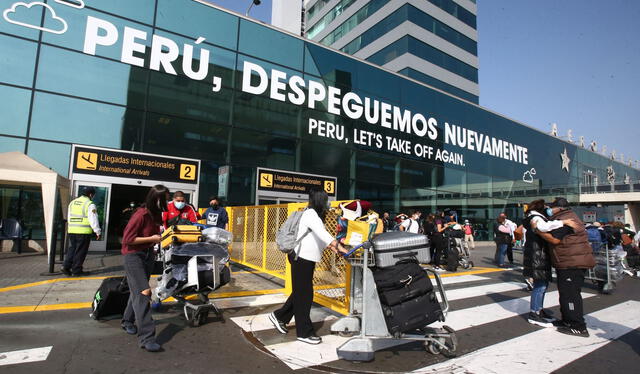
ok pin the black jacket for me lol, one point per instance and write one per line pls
(536, 259)
(499, 236)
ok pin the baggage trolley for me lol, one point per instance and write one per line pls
(203, 276)
(366, 322)
(603, 274)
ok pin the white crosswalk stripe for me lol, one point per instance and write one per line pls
(24, 356)
(604, 329)
(545, 351)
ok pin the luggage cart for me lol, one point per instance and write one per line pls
(366, 320)
(606, 282)
(203, 276)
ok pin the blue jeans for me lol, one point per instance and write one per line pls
(537, 295)
(502, 250)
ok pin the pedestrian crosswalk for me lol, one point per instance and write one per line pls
(477, 304)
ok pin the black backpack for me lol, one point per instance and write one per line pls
(110, 300)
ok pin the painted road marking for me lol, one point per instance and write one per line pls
(225, 303)
(460, 279)
(546, 350)
(487, 289)
(260, 322)
(482, 314)
(295, 356)
(24, 356)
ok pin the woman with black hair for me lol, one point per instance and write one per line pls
(139, 237)
(536, 261)
(313, 239)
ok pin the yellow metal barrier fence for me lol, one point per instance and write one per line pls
(254, 234)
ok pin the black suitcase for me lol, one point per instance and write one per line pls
(417, 286)
(111, 298)
(452, 256)
(401, 282)
(413, 314)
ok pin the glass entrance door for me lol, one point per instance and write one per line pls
(101, 201)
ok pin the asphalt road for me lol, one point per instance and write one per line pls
(493, 330)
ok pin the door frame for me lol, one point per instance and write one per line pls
(97, 245)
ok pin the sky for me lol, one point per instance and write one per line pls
(572, 62)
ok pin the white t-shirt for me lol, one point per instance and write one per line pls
(316, 241)
(410, 225)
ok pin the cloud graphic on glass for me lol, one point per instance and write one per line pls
(20, 12)
(528, 175)
(78, 4)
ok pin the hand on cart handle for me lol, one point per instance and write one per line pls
(365, 245)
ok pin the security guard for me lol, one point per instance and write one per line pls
(82, 224)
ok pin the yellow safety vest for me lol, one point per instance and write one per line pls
(79, 216)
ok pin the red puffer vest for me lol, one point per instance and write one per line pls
(574, 250)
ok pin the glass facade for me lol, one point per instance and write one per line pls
(337, 10)
(353, 21)
(433, 82)
(410, 13)
(181, 78)
(409, 44)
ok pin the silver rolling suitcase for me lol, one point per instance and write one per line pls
(391, 247)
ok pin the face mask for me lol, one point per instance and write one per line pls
(549, 212)
(214, 206)
(178, 204)
(132, 205)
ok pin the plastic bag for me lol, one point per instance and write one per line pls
(217, 235)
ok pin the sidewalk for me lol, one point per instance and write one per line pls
(26, 284)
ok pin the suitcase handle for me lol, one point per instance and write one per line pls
(365, 245)
(445, 301)
(406, 254)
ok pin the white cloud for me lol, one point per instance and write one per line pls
(78, 4)
(20, 9)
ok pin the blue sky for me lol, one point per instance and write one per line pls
(573, 62)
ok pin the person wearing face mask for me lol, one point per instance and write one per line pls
(571, 256)
(140, 235)
(216, 215)
(178, 210)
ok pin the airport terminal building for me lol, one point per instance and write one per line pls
(124, 94)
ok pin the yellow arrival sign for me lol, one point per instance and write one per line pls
(87, 161)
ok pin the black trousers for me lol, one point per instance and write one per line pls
(138, 267)
(510, 252)
(299, 302)
(440, 245)
(77, 252)
(570, 283)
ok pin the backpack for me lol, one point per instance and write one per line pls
(286, 237)
(593, 234)
(110, 299)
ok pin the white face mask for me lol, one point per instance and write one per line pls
(179, 204)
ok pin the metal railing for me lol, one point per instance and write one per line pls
(254, 233)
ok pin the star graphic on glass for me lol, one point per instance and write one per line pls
(565, 160)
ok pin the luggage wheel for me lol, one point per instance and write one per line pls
(444, 343)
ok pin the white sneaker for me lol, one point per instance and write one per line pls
(311, 339)
(281, 327)
(438, 269)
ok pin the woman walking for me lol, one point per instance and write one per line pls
(139, 237)
(313, 238)
(537, 261)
